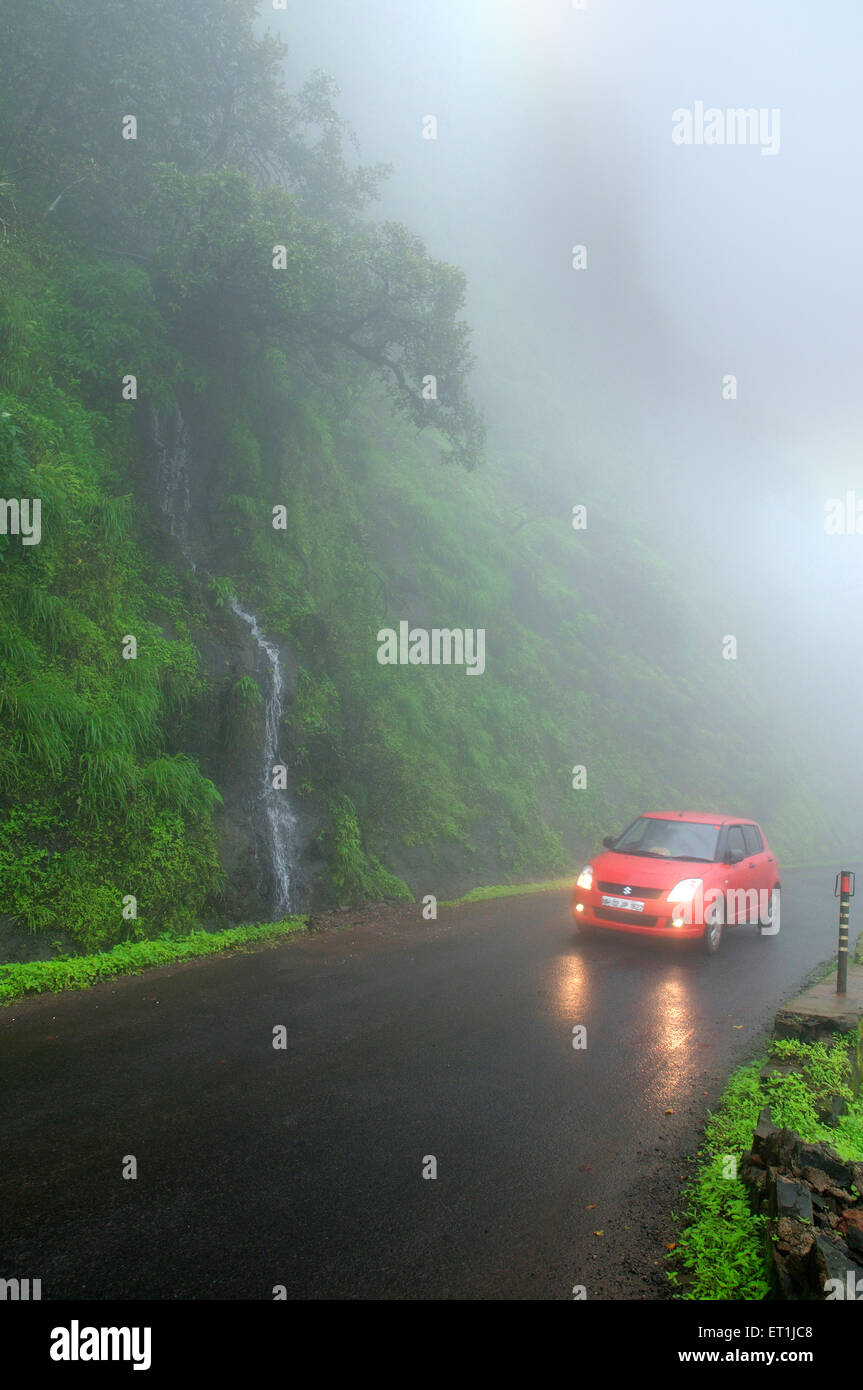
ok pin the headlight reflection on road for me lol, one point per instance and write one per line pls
(670, 1011)
(570, 987)
(673, 1012)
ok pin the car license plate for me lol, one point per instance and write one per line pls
(630, 904)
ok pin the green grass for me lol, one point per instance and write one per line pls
(721, 1251)
(508, 890)
(130, 958)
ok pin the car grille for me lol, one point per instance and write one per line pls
(632, 919)
(642, 893)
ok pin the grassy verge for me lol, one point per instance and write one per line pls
(720, 1254)
(508, 890)
(130, 958)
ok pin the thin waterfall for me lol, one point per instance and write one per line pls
(175, 501)
(281, 820)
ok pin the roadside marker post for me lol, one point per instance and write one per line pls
(843, 888)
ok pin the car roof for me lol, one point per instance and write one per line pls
(699, 817)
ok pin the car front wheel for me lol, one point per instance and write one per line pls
(711, 938)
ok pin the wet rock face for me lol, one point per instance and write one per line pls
(19, 945)
(851, 1227)
(813, 1200)
(792, 1255)
(787, 1198)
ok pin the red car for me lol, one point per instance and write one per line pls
(682, 874)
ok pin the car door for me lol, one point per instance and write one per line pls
(762, 866)
(756, 856)
(738, 876)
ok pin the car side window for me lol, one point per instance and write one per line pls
(736, 843)
(754, 842)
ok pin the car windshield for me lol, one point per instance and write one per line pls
(670, 839)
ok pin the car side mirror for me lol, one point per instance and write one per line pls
(733, 858)
(609, 842)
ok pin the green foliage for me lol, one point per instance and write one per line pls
(356, 875)
(223, 591)
(183, 220)
(722, 1246)
(246, 694)
(110, 326)
(821, 1071)
(94, 804)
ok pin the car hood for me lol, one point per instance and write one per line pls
(639, 872)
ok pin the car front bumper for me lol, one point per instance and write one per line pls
(655, 920)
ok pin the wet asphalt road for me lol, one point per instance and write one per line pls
(303, 1167)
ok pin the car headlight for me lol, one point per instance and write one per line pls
(685, 890)
(585, 878)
